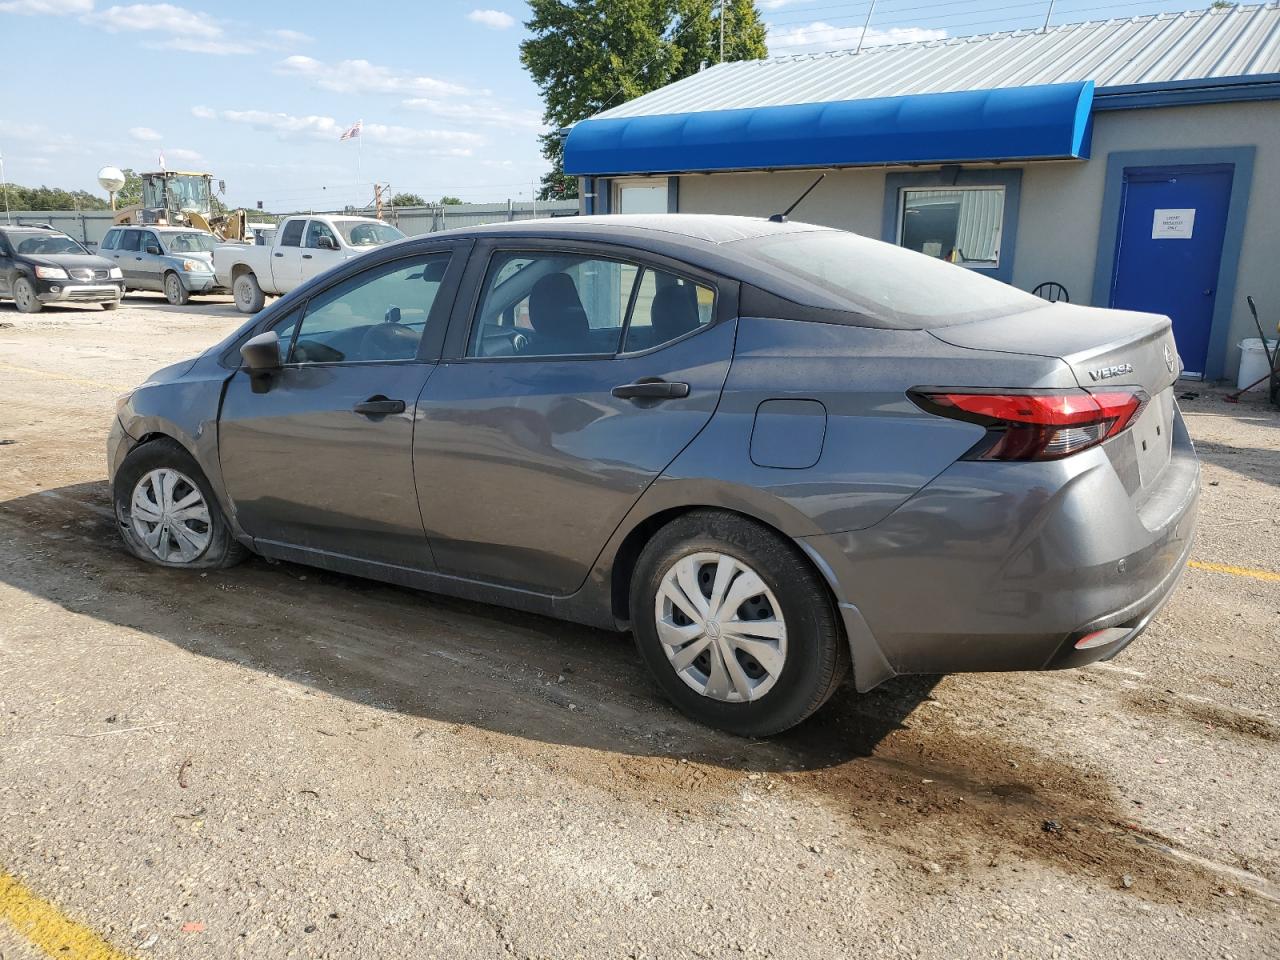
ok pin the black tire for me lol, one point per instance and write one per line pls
(111, 305)
(248, 294)
(175, 291)
(222, 550)
(817, 654)
(24, 296)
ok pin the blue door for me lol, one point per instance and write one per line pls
(1169, 249)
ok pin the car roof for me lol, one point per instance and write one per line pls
(694, 228)
(162, 228)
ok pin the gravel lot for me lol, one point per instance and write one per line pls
(273, 761)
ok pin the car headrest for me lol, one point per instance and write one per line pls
(555, 310)
(674, 312)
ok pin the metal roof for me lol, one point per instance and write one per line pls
(1239, 41)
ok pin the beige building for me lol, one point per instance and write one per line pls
(1127, 163)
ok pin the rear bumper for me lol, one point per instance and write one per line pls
(1009, 568)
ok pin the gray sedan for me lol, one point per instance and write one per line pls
(177, 261)
(775, 452)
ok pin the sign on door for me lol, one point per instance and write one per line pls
(1173, 224)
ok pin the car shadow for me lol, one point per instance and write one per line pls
(577, 700)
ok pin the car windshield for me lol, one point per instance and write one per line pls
(362, 233)
(40, 242)
(189, 242)
(899, 287)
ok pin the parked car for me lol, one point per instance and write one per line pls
(772, 450)
(302, 248)
(40, 265)
(177, 261)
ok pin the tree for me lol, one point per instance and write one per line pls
(407, 200)
(588, 55)
(131, 193)
(448, 201)
(52, 198)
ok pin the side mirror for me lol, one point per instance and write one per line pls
(326, 243)
(153, 249)
(261, 356)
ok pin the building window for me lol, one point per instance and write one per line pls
(640, 196)
(959, 224)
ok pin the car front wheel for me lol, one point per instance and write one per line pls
(24, 296)
(174, 290)
(167, 513)
(735, 625)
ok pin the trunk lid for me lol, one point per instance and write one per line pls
(1104, 348)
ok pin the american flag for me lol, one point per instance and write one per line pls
(352, 132)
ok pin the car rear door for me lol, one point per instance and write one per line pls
(317, 460)
(286, 258)
(7, 269)
(579, 376)
(128, 256)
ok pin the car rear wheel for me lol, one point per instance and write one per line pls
(167, 512)
(175, 291)
(24, 296)
(111, 305)
(249, 296)
(735, 625)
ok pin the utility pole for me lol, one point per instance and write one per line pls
(865, 24)
(5, 185)
(377, 200)
(722, 12)
(1045, 28)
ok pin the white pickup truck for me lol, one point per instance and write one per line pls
(301, 248)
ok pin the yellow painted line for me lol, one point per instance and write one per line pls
(1269, 576)
(48, 929)
(62, 376)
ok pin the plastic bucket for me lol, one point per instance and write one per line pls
(1253, 363)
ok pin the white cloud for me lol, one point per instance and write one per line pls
(818, 36)
(161, 17)
(290, 36)
(204, 113)
(361, 76)
(494, 19)
(55, 8)
(145, 134)
(182, 155)
(474, 112)
(451, 143)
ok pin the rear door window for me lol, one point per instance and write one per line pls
(129, 240)
(292, 235)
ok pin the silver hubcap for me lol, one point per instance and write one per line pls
(721, 627)
(22, 294)
(175, 291)
(169, 515)
(243, 293)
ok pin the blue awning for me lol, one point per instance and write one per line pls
(1019, 123)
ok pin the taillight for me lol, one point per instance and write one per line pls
(1036, 425)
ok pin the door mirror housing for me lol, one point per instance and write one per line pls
(153, 249)
(261, 356)
(326, 243)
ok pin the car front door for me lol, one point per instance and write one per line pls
(7, 269)
(320, 250)
(579, 378)
(151, 263)
(320, 461)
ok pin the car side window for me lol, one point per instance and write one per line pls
(317, 229)
(109, 241)
(128, 240)
(378, 315)
(551, 305)
(292, 235)
(666, 308)
(150, 240)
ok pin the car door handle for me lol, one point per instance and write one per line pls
(137, 258)
(279, 254)
(651, 390)
(306, 256)
(379, 406)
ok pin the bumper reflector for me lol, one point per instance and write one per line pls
(1100, 638)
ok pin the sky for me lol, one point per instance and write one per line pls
(258, 93)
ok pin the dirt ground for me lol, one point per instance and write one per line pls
(272, 761)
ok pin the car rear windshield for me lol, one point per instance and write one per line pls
(37, 242)
(361, 233)
(897, 287)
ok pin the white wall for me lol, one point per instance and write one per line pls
(1061, 206)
